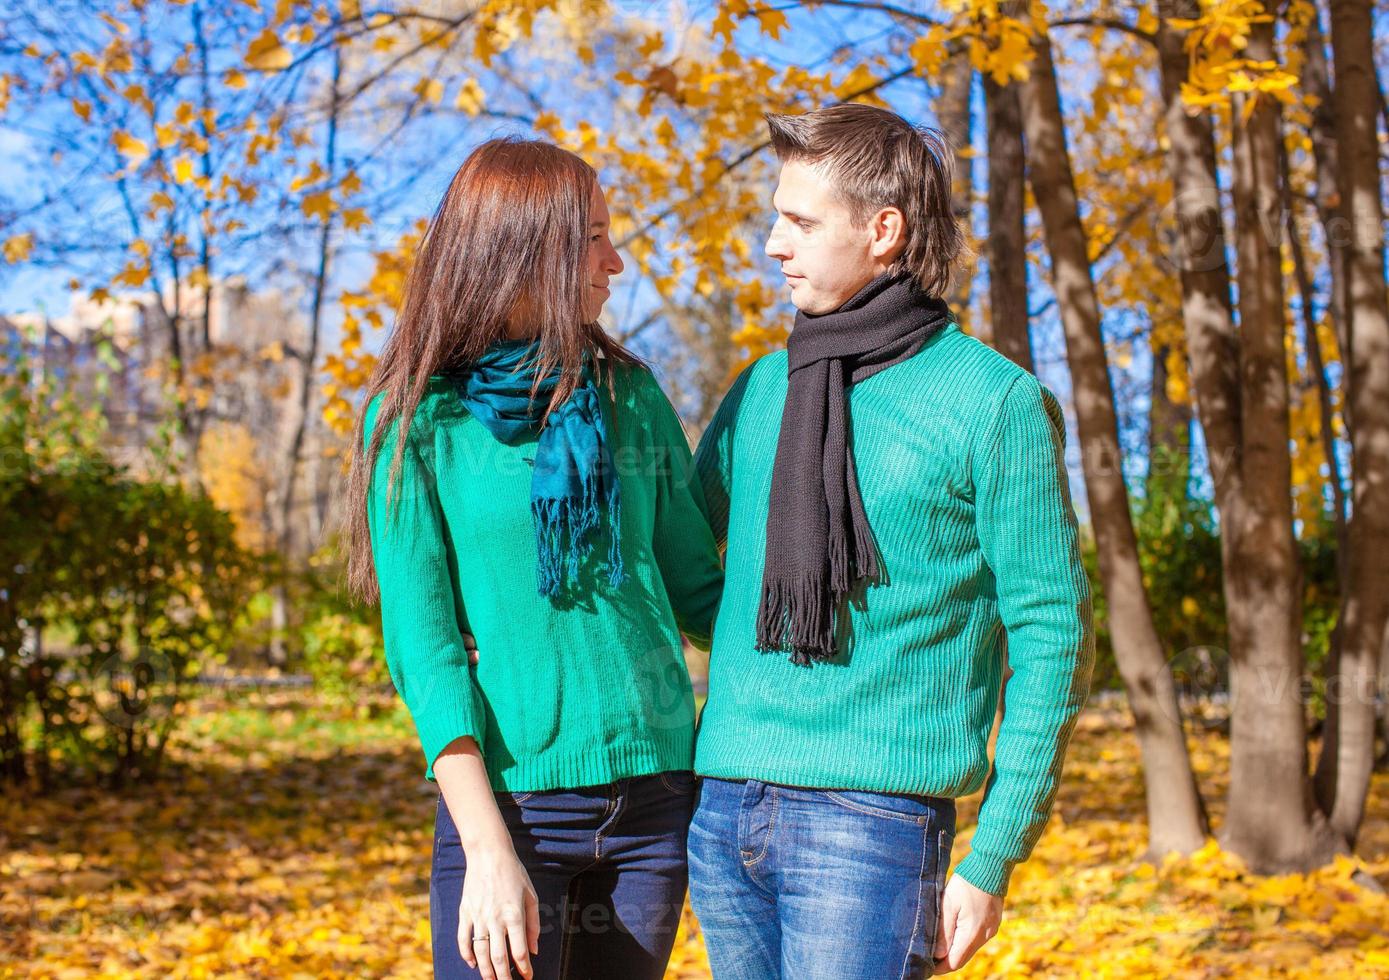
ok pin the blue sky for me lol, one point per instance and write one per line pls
(413, 175)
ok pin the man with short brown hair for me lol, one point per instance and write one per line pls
(893, 498)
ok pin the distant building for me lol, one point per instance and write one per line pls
(242, 368)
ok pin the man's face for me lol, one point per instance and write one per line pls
(825, 256)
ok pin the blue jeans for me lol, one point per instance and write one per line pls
(608, 866)
(813, 884)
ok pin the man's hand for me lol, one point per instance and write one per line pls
(470, 644)
(969, 917)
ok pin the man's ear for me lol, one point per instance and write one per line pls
(889, 230)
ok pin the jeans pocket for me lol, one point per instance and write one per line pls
(506, 798)
(891, 806)
(681, 782)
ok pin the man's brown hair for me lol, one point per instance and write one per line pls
(876, 159)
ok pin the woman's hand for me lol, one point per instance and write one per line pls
(499, 916)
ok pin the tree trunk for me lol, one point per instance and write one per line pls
(1316, 81)
(1316, 367)
(1175, 812)
(1199, 257)
(1007, 237)
(309, 359)
(1272, 820)
(1343, 775)
(1009, 328)
(1169, 430)
(952, 112)
(205, 217)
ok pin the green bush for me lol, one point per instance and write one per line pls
(1179, 554)
(115, 587)
(341, 641)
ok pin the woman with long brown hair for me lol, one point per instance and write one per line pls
(524, 480)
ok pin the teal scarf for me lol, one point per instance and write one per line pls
(574, 482)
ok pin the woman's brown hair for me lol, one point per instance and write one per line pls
(510, 239)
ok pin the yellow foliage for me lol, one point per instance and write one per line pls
(229, 465)
(133, 274)
(267, 54)
(429, 89)
(134, 150)
(17, 247)
(317, 205)
(295, 846)
(470, 99)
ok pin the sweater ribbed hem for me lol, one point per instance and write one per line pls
(660, 752)
(893, 779)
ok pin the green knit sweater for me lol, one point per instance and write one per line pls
(576, 691)
(960, 463)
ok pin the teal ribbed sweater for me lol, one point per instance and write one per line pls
(960, 462)
(577, 691)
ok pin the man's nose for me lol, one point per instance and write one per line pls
(776, 245)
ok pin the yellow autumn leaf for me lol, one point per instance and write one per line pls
(134, 150)
(266, 53)
(470, 98)
(133, 275)
(183, 170)
(354, 218)
(772, 22)
(83, 110)
(429, 89)
(317, 205)
(17, 247)
(315, 174)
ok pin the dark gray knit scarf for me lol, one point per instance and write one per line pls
(819, 544)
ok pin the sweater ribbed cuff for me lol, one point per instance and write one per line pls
(986, 872)
(452, 716)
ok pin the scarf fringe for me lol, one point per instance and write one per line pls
(798, 608)
(839, 565)
(865, 555)
(564, 536)
(616, 573)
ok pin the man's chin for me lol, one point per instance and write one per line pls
(811, 306)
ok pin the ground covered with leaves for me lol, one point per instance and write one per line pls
(291, 838)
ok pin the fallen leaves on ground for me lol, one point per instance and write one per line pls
(291, 839)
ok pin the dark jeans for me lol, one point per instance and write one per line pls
(608, 866)
(818, 884)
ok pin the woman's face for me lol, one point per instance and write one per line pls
(603, 260)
